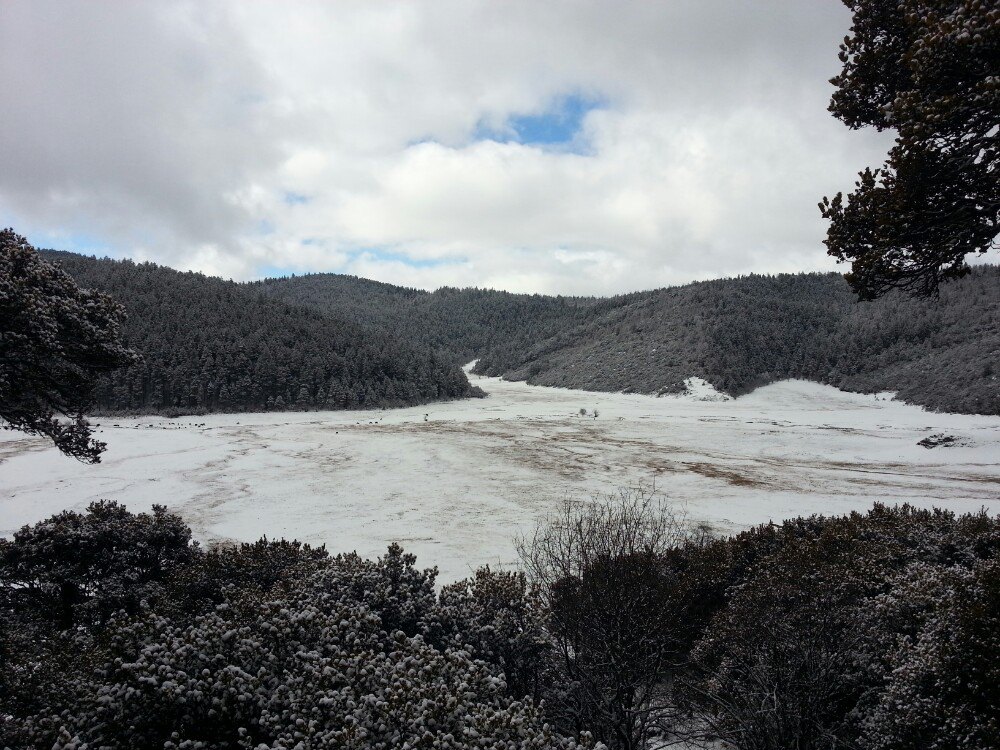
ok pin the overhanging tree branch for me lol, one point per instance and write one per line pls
(56, 340)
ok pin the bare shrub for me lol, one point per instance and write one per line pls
(604, 575)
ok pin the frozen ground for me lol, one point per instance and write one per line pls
(455, 482)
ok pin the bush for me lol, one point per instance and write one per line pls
(608, 594)
(80, 568)
(265, 645)
(316, 668)
(937, 641)
(796, 657)
(877, 630)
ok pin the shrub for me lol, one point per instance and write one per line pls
(608, 595)
(80, 568)
(264, 645)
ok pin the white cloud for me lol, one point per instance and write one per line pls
(176, 132)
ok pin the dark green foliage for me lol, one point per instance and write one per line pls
(738, 334)
(943, 665)
(930, 70)
(56, 340)
(743, 333)
(876, 630)
(80, 568)
(872, 630)
(272, 645)
(212, 345)
(66, 577)
(218, 350)
(819, 618)
(459, 324)
(495, 615)
(263, 567)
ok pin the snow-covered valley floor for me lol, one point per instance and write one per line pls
(456, 482)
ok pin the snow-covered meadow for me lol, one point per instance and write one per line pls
(456, 482)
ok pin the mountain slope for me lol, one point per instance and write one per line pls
(210, 344)
(738, 334)
(459, 324)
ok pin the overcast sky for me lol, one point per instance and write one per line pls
(557, 147)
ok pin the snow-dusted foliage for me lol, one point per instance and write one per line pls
(79, 568)
(314, 670)
(56, 341)
(878, 631)
(940, 652)
(875, 631)
(497, 616)
(271, 645)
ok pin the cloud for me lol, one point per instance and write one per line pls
(571, 147)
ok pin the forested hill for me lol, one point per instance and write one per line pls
(738, 334)
(459, 324)
(209, 344)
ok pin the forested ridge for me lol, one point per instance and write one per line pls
(212, 345)
(460, 324)
(330, 340)
(738, 334)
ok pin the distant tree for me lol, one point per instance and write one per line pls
(930, 69)
(55, 341)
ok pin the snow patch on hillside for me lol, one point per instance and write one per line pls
(699, 389)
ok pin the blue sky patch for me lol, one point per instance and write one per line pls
(559, 125)
(374, 253)
(73, 242)
(295, 199)
(278, 272)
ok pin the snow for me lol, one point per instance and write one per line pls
(458, 485)
(700, 389)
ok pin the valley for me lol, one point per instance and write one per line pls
(456, 482)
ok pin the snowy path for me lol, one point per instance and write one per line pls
(455, 488)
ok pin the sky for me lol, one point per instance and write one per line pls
(560, 147)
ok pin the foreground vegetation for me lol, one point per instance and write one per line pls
(878, 630)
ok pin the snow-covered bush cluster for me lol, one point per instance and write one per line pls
(305, 651)
(877, 630)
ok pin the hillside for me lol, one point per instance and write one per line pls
(213, 345)
(738, 334)
(459, 324)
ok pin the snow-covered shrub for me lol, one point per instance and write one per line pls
(262, 566)
(80, 568)
(497, 618)
(817, 633)
(875, 630)
(772, 670)
(266, 645)
(392, 587)
(937, 632)
(312, 670)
